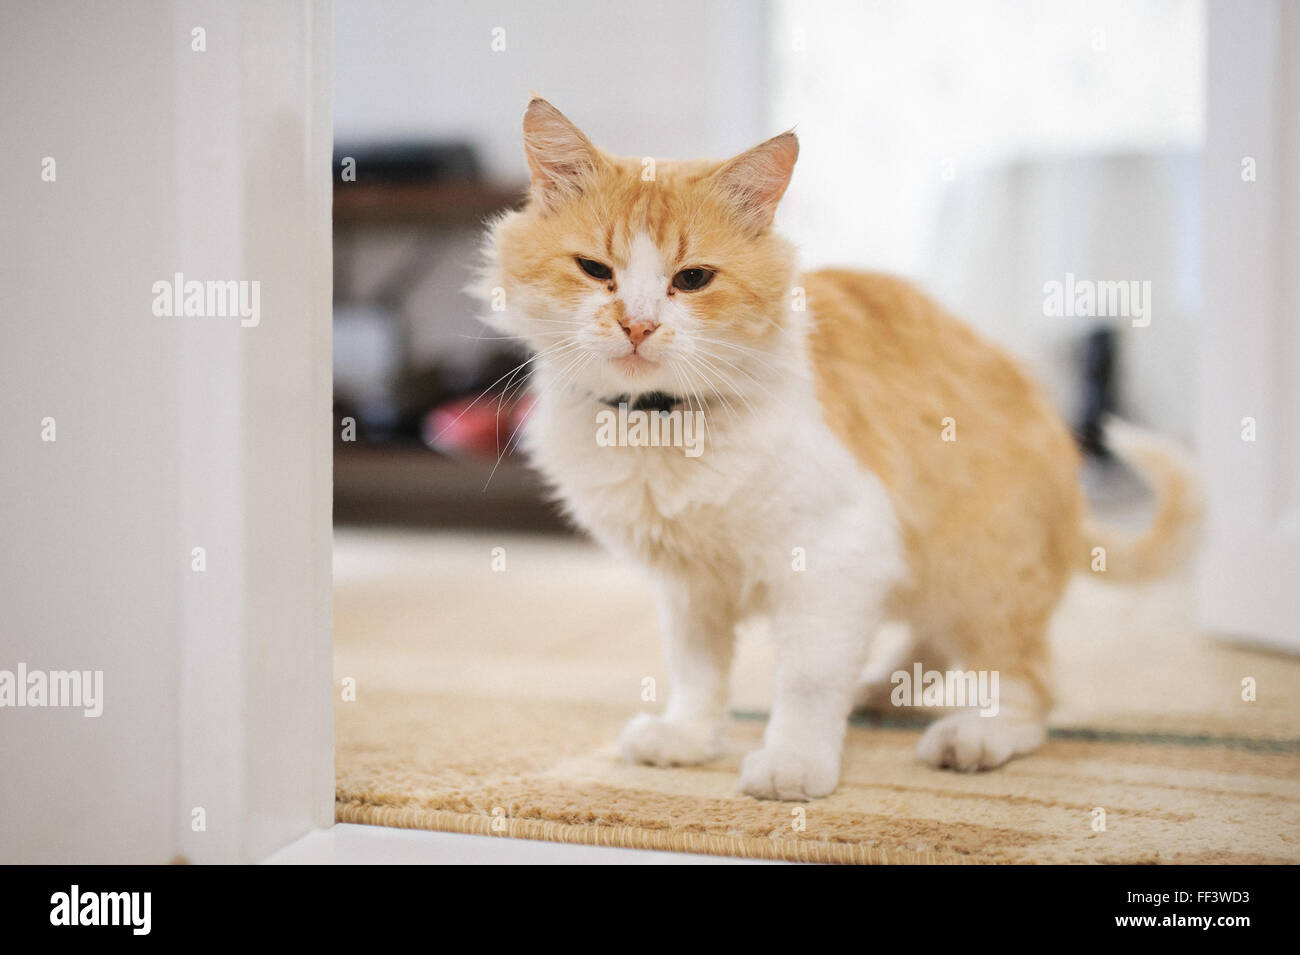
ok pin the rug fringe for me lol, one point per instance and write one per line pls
(632, 837)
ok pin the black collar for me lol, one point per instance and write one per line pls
(647, 401)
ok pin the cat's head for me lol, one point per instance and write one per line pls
(634, 275)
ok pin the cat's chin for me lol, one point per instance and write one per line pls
(634, 367)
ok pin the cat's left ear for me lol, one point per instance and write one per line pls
(560, 157)
(756, 180)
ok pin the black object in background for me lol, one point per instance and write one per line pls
(410, 163)
(1098, 389)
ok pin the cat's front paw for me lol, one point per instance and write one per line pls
(662, 742)
(788, 774)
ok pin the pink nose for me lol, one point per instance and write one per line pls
(638, 329)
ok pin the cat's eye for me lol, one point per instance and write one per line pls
(596, 270)
(692, 280)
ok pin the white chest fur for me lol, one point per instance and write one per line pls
(772, 489)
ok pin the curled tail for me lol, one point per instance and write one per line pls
(1173, 532)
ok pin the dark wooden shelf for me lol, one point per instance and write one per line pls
(408, 484)
(450, 203)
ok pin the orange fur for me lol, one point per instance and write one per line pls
(688, 209)
(992, 521)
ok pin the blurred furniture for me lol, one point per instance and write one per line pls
(411, 201)
(412, 485)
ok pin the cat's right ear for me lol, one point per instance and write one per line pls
(756, 180)
(560, 157)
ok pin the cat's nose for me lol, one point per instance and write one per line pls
(638, 329)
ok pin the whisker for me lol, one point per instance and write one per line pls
(719, 393)
(574, 363)
(730, 364)
(760, 356)
(489, 388)
(685, 385)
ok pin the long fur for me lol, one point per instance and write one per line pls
(868, 457)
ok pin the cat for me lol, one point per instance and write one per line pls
(867, 457)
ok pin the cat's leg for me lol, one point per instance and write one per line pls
(698, 624)
(1017, 724)
(818, 661)
(894, 652)
(988, 603)
(822, 621)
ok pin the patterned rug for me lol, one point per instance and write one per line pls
(488, 700)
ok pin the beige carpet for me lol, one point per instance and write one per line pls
(488, 702)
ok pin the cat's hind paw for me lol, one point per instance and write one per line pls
(969, 742)
(662, 742)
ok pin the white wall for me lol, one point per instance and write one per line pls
(91, 560)
(1250, 349)
(172, 433)
(899, 103)
(672, 78)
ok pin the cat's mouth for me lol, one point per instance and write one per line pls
(634, 362)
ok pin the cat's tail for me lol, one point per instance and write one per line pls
(1173, 532)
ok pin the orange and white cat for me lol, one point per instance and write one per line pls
(866, 458)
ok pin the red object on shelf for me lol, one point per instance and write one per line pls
(476, 426)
